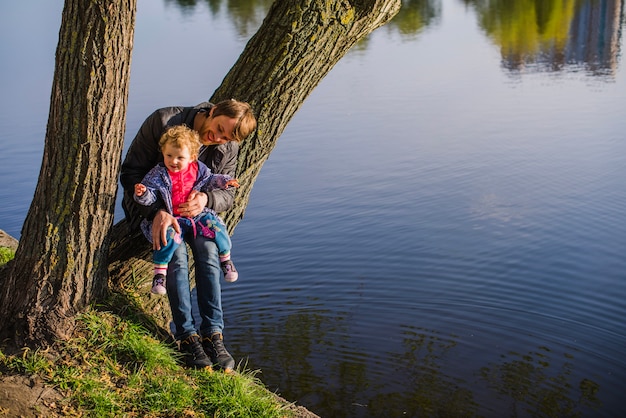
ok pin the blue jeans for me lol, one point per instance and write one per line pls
(208, 288)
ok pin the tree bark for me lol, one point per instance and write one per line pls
(298, 43)
(61, 263)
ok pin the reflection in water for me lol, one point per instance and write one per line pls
(595, 36)
(414, 16)
(531, 382)
(428, 390)
(554, 34)
(533, 35)
(290, 348)
(247, 15)
(534, 382)
(310, 358)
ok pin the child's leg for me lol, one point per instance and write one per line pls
(212, 227)
(222, 240)
(161, 258)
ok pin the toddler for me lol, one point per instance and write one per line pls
(179, 177)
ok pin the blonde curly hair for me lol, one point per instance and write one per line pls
(181, 137)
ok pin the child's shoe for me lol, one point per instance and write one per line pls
(158, 285)
(230, 273)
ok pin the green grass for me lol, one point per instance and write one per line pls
(6, 255)
(114, 367)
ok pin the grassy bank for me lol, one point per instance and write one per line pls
(113, 366)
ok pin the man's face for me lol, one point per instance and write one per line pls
(218, 130)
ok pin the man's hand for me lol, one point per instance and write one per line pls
(195, 203)
(162, 220)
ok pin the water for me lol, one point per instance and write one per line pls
(439, 231)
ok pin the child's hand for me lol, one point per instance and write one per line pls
(140, 189)
(232, 183)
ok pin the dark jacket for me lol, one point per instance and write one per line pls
(143, 154)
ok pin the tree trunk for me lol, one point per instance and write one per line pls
(296, 46)
(61, 263)
(298, 43)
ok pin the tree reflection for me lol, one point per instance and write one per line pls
(554, 34)
(292, 348)
(429, 391)
(536, 35)
(247, 15)
(308, 357)
(539, 383)
(531, 382)
(414, 16)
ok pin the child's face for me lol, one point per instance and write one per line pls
(176, 159)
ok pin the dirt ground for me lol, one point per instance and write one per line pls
(25, 397)
(7, 240)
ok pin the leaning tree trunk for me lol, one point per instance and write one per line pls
(296, 46)
(61, 263)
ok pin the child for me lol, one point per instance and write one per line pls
(175, 180)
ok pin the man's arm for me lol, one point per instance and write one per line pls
(142, 155)
(224, 161)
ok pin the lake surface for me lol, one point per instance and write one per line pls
(441, 229)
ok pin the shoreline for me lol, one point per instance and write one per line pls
(28, 396)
